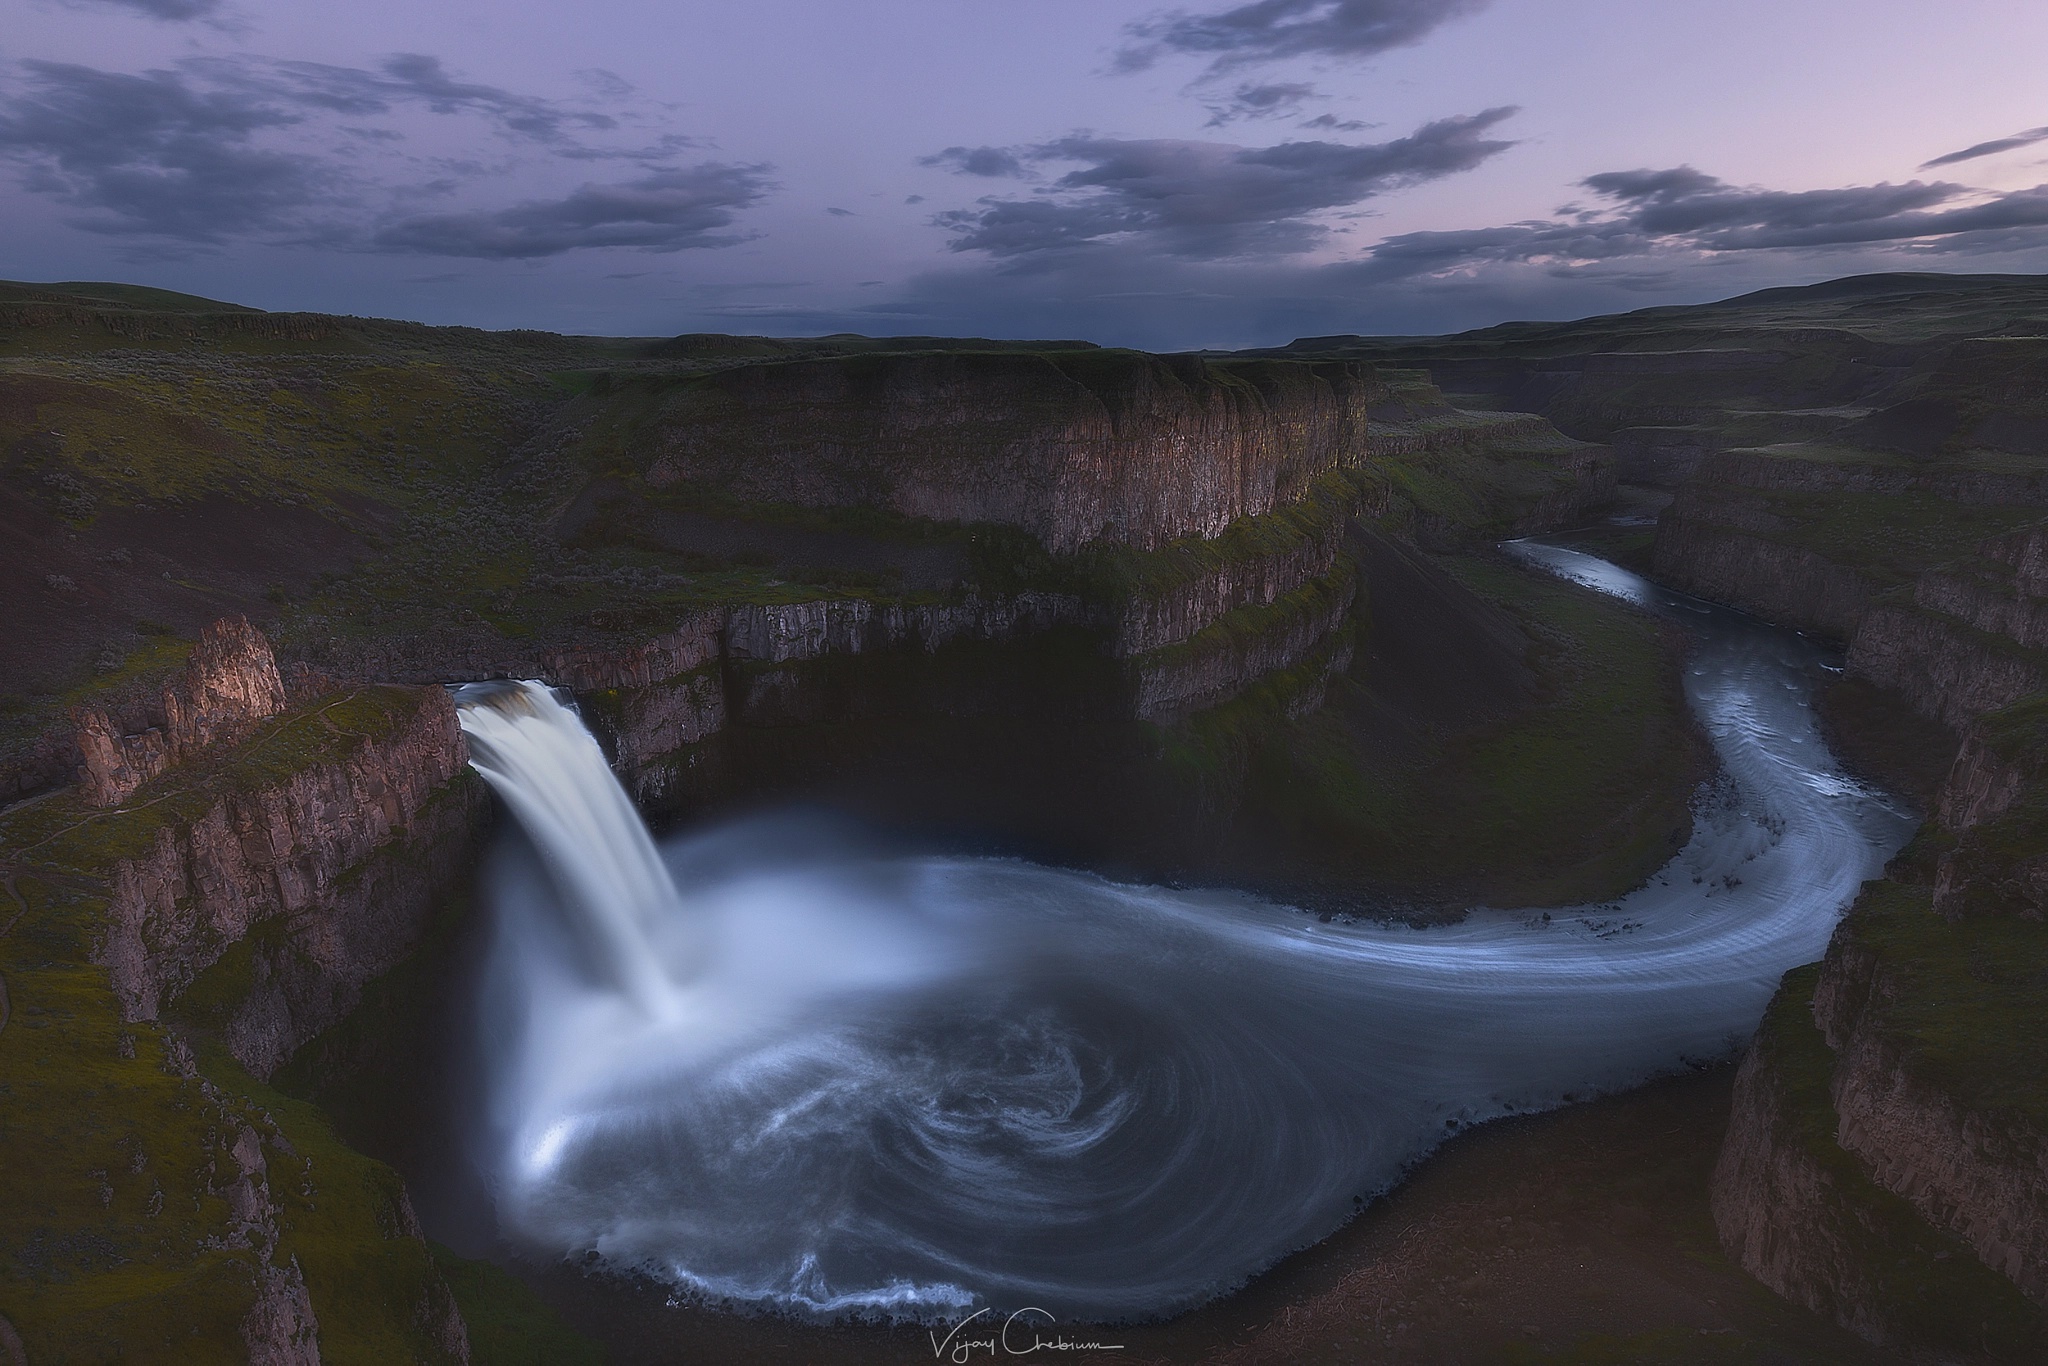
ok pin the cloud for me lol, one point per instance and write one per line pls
(1640, 237)
(1266, 101)
(981, 161)
(216, 149)
(1335, 124)
(154, 153)
(175, 11)
(404, 79)
(664, 212)
(1212, 200)
(1271, 30)
(1986, 149)
(842, 213)
(1685, 213)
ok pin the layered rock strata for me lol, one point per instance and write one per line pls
(1241, 648)
(1075, 447)
(1887, 1135)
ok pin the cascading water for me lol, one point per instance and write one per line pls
(833, 1080)
(537, 756)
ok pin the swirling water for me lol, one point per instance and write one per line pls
(778, 1067)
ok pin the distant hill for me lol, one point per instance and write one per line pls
(1901, 309)
(99, 292)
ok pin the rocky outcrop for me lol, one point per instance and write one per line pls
(784, 632)
(1982, 1175)
(313, 860)
(1407, 429)
(1800, 1213)
(280, 1328)
(2002, 591)
(1075, 447)
(1982, 784)
(229, 683)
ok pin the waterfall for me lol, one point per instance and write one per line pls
(548, 768)
(842, 1079)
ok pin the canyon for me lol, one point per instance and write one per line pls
(1223, 618)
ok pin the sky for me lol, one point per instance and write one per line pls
(1217, 175)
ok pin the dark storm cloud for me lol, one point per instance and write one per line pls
(1685, 201)
(1212, 200)
(176, 11)
(1683, 211)
(1986, 149)
(1269, 30)
(667, 211)
(154, 153)
(217, 149)
(981, 161)
(1267, 101)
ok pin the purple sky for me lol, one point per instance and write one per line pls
(1218, 175)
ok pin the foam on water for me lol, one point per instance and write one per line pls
(779, 1067)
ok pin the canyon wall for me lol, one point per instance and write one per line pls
(1737, 565)
(1075, 447)
(1919, 1094)
(308, 843)
(1980, 1173)
(1800, 1212)
(1891, 560)
(221, 885)
(1886, 1145)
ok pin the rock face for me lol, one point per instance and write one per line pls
(1801, 1214)
(1777, 1208)
(1075, 447)
(1946, 669)
(1980, 1176)
(1223, 660)
(1155, 621)
(1956, 639)
(333, 867)
(1735, 564)
(1974, 638)
(310, 845)
(1662, 457)
(229, 684)
(1982, 784)
(1859, 1143)
(280, 1328)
